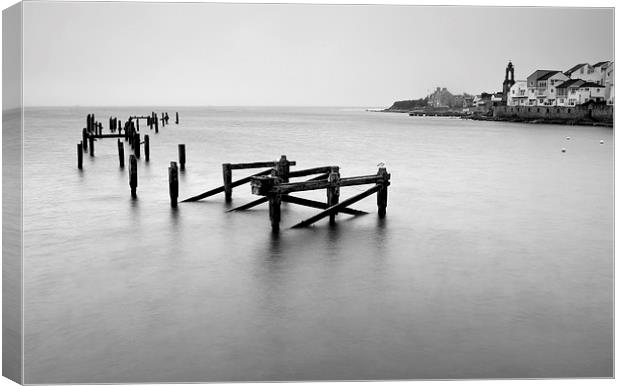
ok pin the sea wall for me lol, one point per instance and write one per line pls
(604, 113)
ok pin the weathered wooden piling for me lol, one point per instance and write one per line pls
(121, 154)
(274, 211)
(85, 138)
(176, 120)
(133, 175)
(173, 183)
(156, 122)
(333, 192)
(182, 156)
(137, 125)
(382, 194)
(80, 154)
(147, 149)
(91, 144)
(282, 169)
(136, 144)
(227, 175)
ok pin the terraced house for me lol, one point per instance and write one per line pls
(541, 86)
(582, 83)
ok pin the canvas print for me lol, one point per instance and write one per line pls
(230, 192)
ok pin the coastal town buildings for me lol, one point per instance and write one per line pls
(608, 82)
(518, 95)
(542, 85)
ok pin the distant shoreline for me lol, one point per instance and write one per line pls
(480, 117)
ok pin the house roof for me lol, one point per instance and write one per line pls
(571, 83)
(601, 63)
(591, 84)
(575, 68)
(548, 75)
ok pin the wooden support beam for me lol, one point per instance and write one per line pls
(147, 148)
(382, 194)
(80, 154)
(265, 199)
(307, 172)
(121, 154)
(182, 156)
(282, 169)
(319, 205)
(136, 144)
(176, 121)
(322, 184)
(274, 211)
(227, 177)
(85, 139)
(133, 175)
(252, 165)
(221, 188)
(173, 183)
(337, 207)
(333, 192)
(91, 144)
(320, 177)
(250, 204)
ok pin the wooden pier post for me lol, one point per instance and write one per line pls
(137, 124)
(80, 154)
(182, 156)
(121, 154)
(176, 121)
(133, 175)
(382, 194)
(91, 144)
(85, 139)
(147, 150)
(282, 169)
(227, 174)
(333, 192)
(274, 211)
(173, 183)
(136, 144)
(156, 123)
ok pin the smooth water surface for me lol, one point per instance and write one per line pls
(495, 258)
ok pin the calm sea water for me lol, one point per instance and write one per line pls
(495, 259)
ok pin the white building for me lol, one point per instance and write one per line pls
(517, 95)
(608, 81)
(576, 91)
(590, 91)
(541, 86)
(590, 73)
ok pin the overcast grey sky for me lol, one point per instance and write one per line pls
(278, 54)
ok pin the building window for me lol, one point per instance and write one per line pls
(581, 70)
(538, 109)
(569, 111)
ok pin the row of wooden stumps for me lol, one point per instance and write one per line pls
(130, 132)
(274, 187)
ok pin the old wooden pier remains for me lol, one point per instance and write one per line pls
(273, 183)
(274, 186)
(130, 132)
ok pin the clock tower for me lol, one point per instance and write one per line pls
(509, 80)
